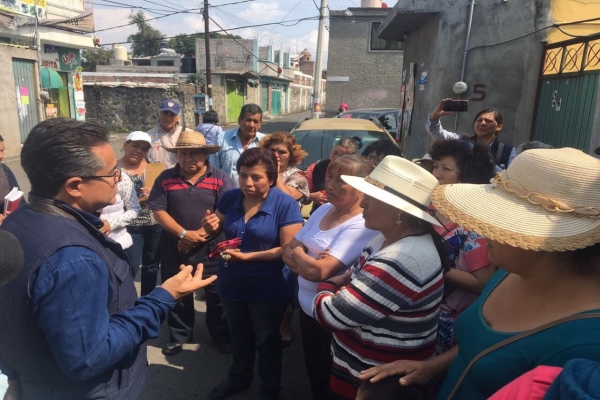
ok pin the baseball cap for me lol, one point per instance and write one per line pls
(139, 136)
(169, 105)
(343, 105)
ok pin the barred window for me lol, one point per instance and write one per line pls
(382, 44)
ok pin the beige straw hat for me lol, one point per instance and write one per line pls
(192, 140)
(399, 183)
(547, 200)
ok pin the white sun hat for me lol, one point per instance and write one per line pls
(401, 184)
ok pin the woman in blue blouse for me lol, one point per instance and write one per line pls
(253, 289)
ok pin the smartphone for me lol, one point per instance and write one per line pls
(226, 245)
(456, 105)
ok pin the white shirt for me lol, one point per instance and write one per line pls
(344, 242)
(161, 139)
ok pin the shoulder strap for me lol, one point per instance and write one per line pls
(498, 156)
(520, 336)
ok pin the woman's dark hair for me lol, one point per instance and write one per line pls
(210, 117)
(353, 165)
(58, 149)
(382, 146)
(473, 159)
(584, 260)
(497, 115)
(289, 140)
(1, 138)
(260, 156)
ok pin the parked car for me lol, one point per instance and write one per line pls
(318, 136)
(389, 117)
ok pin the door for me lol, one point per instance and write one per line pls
(565, 111)
(235, 100)
(25, 91)
(276, 99)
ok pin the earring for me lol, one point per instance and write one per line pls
(399, 220)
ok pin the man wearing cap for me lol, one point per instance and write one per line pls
(71, 325)
(180, 198)
(165, 133)
(235, 141)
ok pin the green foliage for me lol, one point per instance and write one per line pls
(186, 44)
(196, 79)
(146, 42)
(122, 129)
(97, 56)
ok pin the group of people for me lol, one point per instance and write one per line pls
(413, 280)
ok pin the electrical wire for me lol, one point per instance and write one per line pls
(283, 23)
(188, 11)
(228, 4)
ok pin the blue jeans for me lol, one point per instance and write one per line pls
(144, 250)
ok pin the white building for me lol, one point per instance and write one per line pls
(65, 28)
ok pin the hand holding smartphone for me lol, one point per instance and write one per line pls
(456, 105)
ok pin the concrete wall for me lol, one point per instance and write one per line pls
(136, 108)
(507, 73)
(300, 98)
(225, 53)
(375, 76)
(8, 100)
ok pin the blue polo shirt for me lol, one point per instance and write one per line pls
(231, 150)
(256, 281)
(186, 202)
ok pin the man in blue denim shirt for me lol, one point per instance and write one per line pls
(71, 326)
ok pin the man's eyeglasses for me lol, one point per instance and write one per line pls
(115, 175)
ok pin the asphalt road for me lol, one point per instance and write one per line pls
(199, 367)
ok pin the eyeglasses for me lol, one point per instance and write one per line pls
(466, 145)
(115, 175)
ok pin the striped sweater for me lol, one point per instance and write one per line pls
(386, 313)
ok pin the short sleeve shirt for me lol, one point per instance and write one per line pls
(264, 280)
(231, 150)
(186, 202)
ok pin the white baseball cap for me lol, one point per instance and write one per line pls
(139, 136)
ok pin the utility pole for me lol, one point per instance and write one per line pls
(207, 48)
(38, 43)
(316, 108)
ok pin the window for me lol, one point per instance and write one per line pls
(165, 63)
(382, 44)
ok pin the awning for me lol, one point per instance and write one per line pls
(50, 79)
(400, 23)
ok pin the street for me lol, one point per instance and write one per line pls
(199, 367)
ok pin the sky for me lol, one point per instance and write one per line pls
(293, 38)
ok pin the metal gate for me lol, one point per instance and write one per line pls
(25, 90)
(567, 93)
(276, 99)
(235, 100)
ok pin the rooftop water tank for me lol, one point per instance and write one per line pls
(370, 3)
(120, 52)
(188, 64)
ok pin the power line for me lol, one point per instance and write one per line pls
(292, 22)
(149, 19)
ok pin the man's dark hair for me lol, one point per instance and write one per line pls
(58, 149)
(473, 159)
(210, 117)
(382, 146)
(260, 156)
(252, 109)
(1, 138)
(498, 117)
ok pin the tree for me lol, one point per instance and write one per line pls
(146, 42)
(186, 44)
(91, 58)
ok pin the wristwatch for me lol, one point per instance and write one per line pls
(182, 234)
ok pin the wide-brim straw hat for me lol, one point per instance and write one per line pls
(192, 140)
(547, 200)
(401, 184)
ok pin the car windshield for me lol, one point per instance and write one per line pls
(318, 143)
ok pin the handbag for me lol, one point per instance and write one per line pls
(522, 335)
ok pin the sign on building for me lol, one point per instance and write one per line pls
(24, 7)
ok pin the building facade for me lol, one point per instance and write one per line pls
(63, 29)
(496, 48)
(363, 70)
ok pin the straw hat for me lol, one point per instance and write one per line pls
(547, 200)
(399, 183)
(192, 140)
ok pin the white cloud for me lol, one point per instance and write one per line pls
(259, 13)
